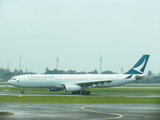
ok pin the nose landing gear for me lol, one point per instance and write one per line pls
(22, 90)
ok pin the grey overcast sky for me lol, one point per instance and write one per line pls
(79, 32)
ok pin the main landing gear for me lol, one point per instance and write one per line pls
(78, 92)
(22, 90)
(84, 92)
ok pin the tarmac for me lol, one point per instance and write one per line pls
(143, 87)
(63, 111)
(92, 94)
(72, 111)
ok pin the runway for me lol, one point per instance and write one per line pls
(143, 87)
(53, 94)
(63, 111)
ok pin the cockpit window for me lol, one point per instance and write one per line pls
(13, 78)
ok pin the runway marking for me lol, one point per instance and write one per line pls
(119, 115)
(145, 116)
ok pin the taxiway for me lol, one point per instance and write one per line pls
(53, 94)
(63, 111)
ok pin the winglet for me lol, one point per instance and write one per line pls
(139, 67)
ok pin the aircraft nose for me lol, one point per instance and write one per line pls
(9, 82)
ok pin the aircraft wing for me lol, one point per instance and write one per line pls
(89, 82)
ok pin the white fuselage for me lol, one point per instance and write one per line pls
(77, 83)
(58, 80)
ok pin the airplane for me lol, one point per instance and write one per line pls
(78, 83)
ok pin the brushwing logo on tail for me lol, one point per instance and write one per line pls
(138, 69)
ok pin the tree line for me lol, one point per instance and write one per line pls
(6, 74)
(56, 71)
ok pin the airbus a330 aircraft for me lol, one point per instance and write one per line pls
(78, 83)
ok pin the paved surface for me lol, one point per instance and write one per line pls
(138, 87)
(52, 94)
(154, 87)
(6, 86)
(63, 111)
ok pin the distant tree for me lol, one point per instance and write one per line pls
(82, 72)
(47, 69)
(55, 71)
(2, 70)
(149, 73)
(21, 72)
(62, 72)
(108, 72)
(93, 72)
(16, 72)
(71, 72)
(29, 72)
(7, 75)
(49, 72)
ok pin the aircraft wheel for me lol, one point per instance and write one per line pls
(78, 92)
(22, 90)
(88, 92)
(83, 92)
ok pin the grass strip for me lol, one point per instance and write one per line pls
(3, 83)
(125, 90)
(80, 99)
(92, 90)
(5, 113)
(141, 85)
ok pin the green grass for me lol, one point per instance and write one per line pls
(84, 99)
(125, 90)
(80, 99)
(3, 83)
(5, 113)
(141, 85)
(92, 90)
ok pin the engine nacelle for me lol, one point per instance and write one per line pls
(55, 89)
(72, 88)
(138, 77)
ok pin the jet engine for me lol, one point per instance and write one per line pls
(137, 77)
(72, 88)
(55, 89)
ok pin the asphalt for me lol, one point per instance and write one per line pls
(63, 111)
(53, 94)
(143, 87)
